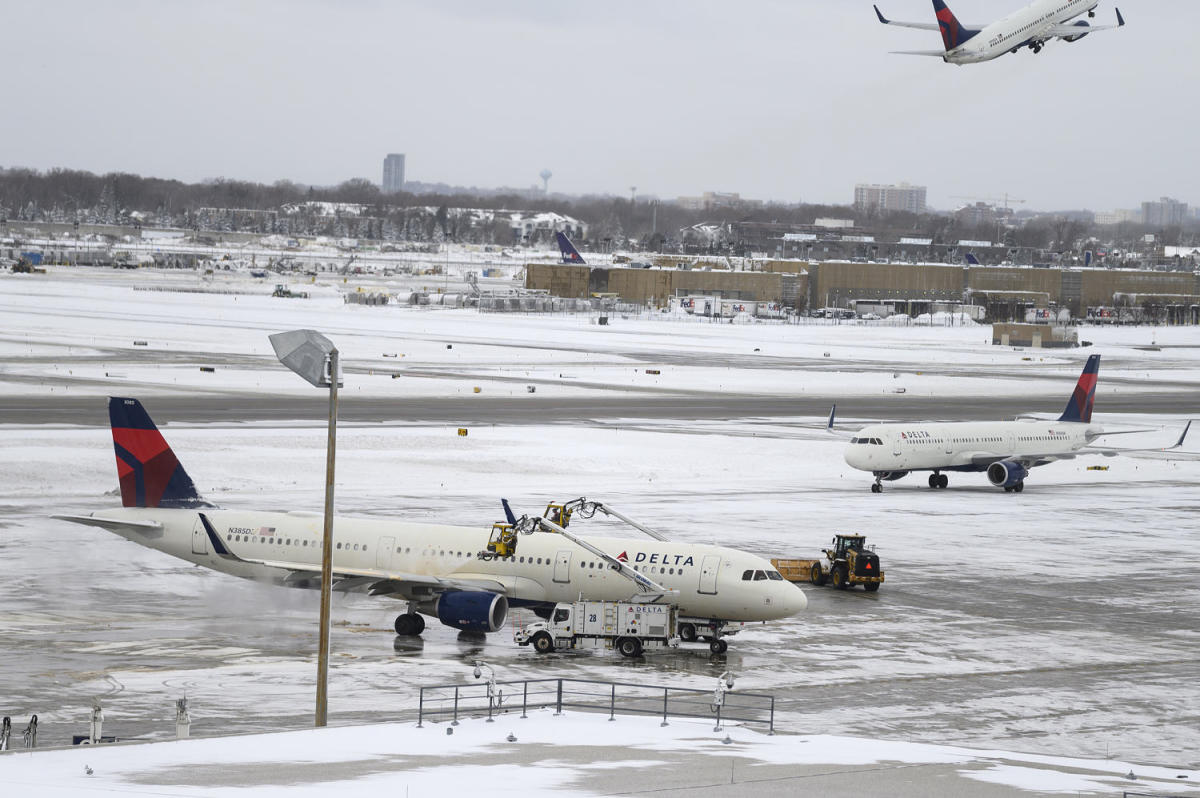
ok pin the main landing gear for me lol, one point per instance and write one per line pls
(410, 624)
(938, 481)
(689, 634)
(1017, 488)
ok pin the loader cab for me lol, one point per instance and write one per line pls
(847, 543)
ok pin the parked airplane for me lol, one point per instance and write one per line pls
(1006, 450)
(1031, 27)
(569, 253)
(442, 571)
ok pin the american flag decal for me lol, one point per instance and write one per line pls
(264, 531)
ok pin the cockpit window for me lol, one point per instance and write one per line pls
(747, 576)
(760, 576)
(775, 576)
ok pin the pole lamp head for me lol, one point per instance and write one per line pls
(306, 352)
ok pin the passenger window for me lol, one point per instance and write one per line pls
(747, 576)
(339, 546)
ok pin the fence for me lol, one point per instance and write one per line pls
(449, 701)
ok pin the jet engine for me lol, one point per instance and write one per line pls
(1006, 473)
(472, 611)
(1080, 24)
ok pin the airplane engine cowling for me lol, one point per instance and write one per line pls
(1006, 473)
(1080, 24)
(472, 611)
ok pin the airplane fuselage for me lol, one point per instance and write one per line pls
(956, 446)
(1021, 28)
(546, 567)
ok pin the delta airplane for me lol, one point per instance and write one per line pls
(442, 571)
(1005, 450)
(1031, 27)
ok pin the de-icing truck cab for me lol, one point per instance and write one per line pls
(629, 627)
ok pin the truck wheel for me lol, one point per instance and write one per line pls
(718, 646)
(687, 632)
(543, 643)
(629, 647)
(871, 587)
(841, 579)
(816, 575)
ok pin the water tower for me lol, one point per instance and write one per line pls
(545, 175)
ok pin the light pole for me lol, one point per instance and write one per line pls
(315, 359)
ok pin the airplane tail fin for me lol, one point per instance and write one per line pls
(569, 253)
(150, 474)
(953, 33)
(1079, 408)
(971, 259)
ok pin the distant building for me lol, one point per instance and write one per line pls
(889, 198)
(1166, 212)
(1119, 216)
(393, 173)
(713, 200)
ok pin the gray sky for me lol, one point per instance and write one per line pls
(792, 100)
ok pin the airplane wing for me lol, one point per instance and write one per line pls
(932, 53)
(1152, 453)
(918, 25)
(1030, 459)
(147, 529)
(832, 430)
(373, 580)
(1071, 29)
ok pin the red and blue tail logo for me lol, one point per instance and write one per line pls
(150, 474)
(1080, 407)
(569, 253)
(953, 34)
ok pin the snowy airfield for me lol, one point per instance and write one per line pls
(1061, 621)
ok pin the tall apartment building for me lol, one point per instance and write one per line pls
(393, 173)
(889, 198)
(1164, 213)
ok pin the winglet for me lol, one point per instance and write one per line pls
(1182, 435)
(832, 412)
(214, 540)
(508, 513)
(1120, 19)
(885, 21)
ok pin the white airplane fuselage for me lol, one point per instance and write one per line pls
(1022, 27)
(953, 446)
(545, 568)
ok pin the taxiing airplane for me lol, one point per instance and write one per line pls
(1005, 450)
(1031, 27)
(446, 572)
(569, 253)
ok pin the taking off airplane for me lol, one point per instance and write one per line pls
(1031, 27)
(442, 571)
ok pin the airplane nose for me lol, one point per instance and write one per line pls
(794, 600)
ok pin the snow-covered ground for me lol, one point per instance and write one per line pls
(1060, 621)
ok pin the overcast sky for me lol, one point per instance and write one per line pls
(792, 100)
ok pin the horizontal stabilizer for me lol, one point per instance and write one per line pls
(934, 53)
(147, 529)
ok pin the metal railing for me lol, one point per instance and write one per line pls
(450, 701)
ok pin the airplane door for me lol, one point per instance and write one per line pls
(562, 567)
(708, 574)
(199, 538)
(383, 554)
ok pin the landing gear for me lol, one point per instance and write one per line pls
(1020, 486)
(687, 632)
(410, 624)
(878, 486)
(938, 481)
(1037, 48)
(718, 646)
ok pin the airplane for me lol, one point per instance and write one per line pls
(1004, 450)
(569, 253)
(1031, 27)
(445, 572)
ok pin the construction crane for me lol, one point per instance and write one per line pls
(993, 200)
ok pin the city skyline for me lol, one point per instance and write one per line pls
(804, 103)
